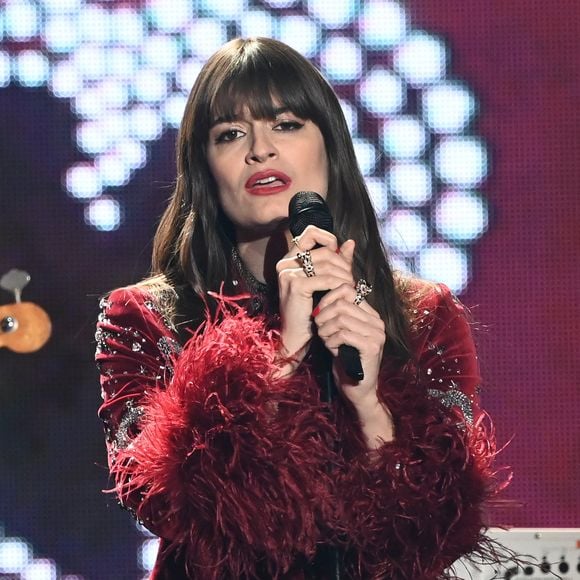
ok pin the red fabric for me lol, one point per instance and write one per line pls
(244, 474)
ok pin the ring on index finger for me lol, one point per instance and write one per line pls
(362, 291)
(305, 260)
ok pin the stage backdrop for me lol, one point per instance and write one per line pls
(465, 118)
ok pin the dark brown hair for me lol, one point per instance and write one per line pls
(193, 241)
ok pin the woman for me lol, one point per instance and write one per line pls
(219, 438)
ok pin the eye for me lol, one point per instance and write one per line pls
(288, 126)
(228, 135)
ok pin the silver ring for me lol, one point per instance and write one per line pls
(362, 291)
(305, 260)
(295, 242)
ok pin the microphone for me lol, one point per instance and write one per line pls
(308, 208)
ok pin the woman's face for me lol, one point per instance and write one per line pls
(259, 164)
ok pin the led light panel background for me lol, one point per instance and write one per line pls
(464, 119)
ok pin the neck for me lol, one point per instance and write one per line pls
(261, 254)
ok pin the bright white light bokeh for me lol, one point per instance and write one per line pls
(301, 33)
(421, 59)
(405, 231)
(22, 20)
(4, 69)
(335, 14)
(379, 195)
(382, 24)
(461, 216)
(444, 263)
(382, 92)
(173, 20)
(41, 569)
(257, 23)
(103, 214)
(461, 161)
(15, 554)
(366, 155)
(148, 554)
(411, 183)
(341, 59)
(82, 181)
(31, 68)
(448, 107)
(404, 137)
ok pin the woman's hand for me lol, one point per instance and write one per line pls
(296, 290)
(338, 320)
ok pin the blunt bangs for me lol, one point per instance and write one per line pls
(263, 78)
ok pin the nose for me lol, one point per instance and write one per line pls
(261, 146)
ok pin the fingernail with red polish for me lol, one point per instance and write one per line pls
(316, 312)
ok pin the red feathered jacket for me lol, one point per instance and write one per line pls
(244, 475)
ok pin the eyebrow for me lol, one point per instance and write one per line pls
(238, 117)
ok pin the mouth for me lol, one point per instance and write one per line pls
(267, 183)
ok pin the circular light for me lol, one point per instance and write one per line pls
(444, 263)
(223, 9)
(461, 216)
(32, 68)
(82, 181)
(4, 69)
(341, 59)
(127, 28)
(300, 33)
(351, 116)
(382, 24)
(40, 569)
(461, 161)
(160, 52)
(61, 33)
(421, 59)
(103, 214)
(411, 183)
(21, 20)
(170, 19)
(15, 554)
(173, 110)
(335, 14)
(378, 194)
(404, 137)
(366, 155)
(150, 86)
(257, 23)
(112, 170)
(382, 92)
(448, 107)
(405, 232)
(148, 554)
(205, 36)
(65, 81)
(145, 123)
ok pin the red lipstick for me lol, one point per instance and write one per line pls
(268, 182)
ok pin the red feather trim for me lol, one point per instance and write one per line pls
(232, 460)
(415, 506)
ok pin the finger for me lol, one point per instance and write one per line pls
(369, 344)
(348, 317)
(347, 251)
(313, 236)
(294, 280)
(321, 257)
(345, 293)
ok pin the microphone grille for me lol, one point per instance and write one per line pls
(308, 208)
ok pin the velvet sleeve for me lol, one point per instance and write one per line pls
(210, 449)
(416, 504)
